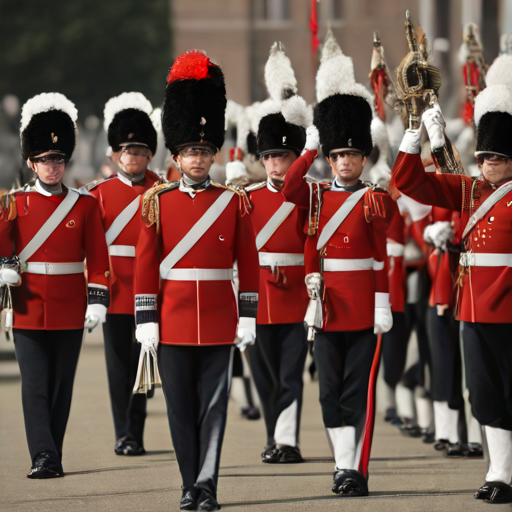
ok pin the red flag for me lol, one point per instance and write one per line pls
(313, 27)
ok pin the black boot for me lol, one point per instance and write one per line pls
(270, 455)
(188, 499)
(349, 482)
(494, 492)
(45, 466)
(207, 501)
(290, 455)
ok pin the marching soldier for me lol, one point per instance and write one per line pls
(51, 228)
(133, 140)
(346, 266)
(192, 232)
(279, 354)
(484, 300)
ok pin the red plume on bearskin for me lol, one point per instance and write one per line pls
(191, 65)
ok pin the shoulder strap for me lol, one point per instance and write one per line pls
(337, 219)
(273, 224)
(197, 231)
(484, 208)
(50, 225)
(122, 220)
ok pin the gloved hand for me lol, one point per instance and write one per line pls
(416, 210)
(434, 123)
(246, 334)
(95, 314)
(148, 336)
(312, 138)
(411, 143)
(235, 170)
(383, 317)
(9, 277)
(314, 285)
(439, 233)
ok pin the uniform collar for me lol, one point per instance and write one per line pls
(336, 187)
(44, 192)
(271, 186)
(195, 188)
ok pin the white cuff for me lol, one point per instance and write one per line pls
(382, 300)
(99, 286)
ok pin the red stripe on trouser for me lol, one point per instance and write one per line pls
(370, 411)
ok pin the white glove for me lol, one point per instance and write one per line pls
(9, 277)
(148, 336)
(314, 283)
(95, 314)
(312, 138)
(246, 334)
(439, 233)
(411, 143)
(434, 123)
(235, 170)
(383, 317)
(416, 210)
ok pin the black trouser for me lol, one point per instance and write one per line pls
(122, 354)
(488, 363)
(277, 363)
(195, 382)
(344, 361)
(47, 361)
(394, 350)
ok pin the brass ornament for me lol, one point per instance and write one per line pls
(55, 138)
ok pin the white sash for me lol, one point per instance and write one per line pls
(122, 220)
(197, 231)
(336, 220)
(50, 225)
(484, 208)
(273, 224)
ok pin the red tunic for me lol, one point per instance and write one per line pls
(349, 297)
(55, 302)
(114, 194)
(396, 269)
(484, 292)
(283, 296)
(197, 312)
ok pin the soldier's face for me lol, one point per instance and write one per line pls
(277, 164)
(495, 168)
(49, 167)
(134, 159)
(196, 162)
(347, 165)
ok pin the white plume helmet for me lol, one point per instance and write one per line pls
(279, 75)
(335, 74)
(156, 119)
(233, 112)
(380, 173)
(263, 109)
(126, 100)
(500, 71)
(43, 103)
(495, 98)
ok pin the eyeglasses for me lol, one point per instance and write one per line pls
(53, 159)
(342, 154)
(137, 151)
(278, 155)
(193, 152)
(491, 157)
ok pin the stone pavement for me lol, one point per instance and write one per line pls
(405, 474)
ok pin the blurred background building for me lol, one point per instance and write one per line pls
(91, 50)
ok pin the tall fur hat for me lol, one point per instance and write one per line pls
(48, 123)
(493, 109)
(195, 102)
(127, 119)
(283, 119)
(344, 112)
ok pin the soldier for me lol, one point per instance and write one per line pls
(484, 301)
(133, 140)
(279, 354)
(51, 228)
(193, 230)
(346, 266)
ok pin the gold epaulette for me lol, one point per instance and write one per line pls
(8, 210)
(150, 207)
(373, 202)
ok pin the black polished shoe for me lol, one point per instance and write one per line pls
(45, 467)
(441, 445)
(207, 501)
(473, 451)
(454, 450)
(270, 455)
(349, 482)
(188, 499)
(131, 447)
(290, 455)
(390, 414)
(410, 430)
(494, 492)
(429, 437)
(251, 413)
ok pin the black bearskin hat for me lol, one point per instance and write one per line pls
(127, 120)
(344, 112)
(285, 117)
(195, 102)
(48, 123)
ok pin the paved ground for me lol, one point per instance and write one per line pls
(406, 475)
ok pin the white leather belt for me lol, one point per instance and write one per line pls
(54, 268)
(280, 259)
(346, 265)
(199, 274)
(471, 259)
(122, 250)
(394, 249)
